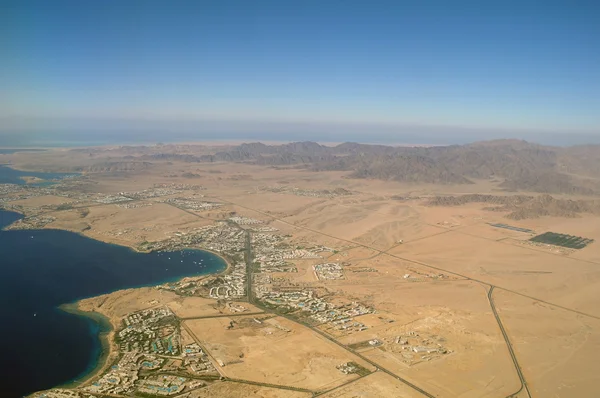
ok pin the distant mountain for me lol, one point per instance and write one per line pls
(407, 168)
(516, 165)
(521, 207)
(521, 166)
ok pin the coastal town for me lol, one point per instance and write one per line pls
(155, 359)
(287, 288)
(300, 199)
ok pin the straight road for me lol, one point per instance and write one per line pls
(513, 357)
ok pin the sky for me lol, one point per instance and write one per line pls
(368, 70)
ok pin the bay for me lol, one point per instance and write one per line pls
(40, 270)
(9, 175)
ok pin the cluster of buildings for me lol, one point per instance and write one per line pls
(152, 331)
(196, 360)
(414, 347)
(136, 373)
(231, 285)
(318, 309)
(220, 237)
(150, 193)
(134, 205)
(62, 393)
(341, 318)
(271, 252)
(160, 190)
(7, 189)
(109, 199)
(32, 210)
(351, 368)
(300, 254)
(263, 228)
(139, 371)
(13, 192)
(268, 250)
(245, 220)
(121, 378)
(322, 193)
(162, 385)
(190, 204)
(189, 286)
(180, 187)
(34, 222)
(328, 271)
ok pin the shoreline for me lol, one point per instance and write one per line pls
(31, 170)
(109, 351)
(226, 260)
(105, 334)
(107, 326)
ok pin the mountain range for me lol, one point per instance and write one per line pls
(515, 165)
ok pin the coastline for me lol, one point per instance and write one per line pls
(108, 326)
(107, 344)
(131, 247)
(225, 259)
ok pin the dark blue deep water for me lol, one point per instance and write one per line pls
(43, 346)
(11, 176)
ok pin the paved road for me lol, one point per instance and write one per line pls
(413, 261)
(189, 318)
(253, 301)
(524, 385)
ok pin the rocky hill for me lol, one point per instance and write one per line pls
(406, 168)
(515, 165)
(518, 165)
(519, 207)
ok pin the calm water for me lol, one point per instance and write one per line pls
(11, 176)
(43, 346)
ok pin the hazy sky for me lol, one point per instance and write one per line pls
(485, 65)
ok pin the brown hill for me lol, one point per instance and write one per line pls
(518, 165)
(521, 207)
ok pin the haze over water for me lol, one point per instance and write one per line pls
(9, 175)
(42, 269)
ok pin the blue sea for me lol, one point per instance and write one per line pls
(43, 346)
(9, 175)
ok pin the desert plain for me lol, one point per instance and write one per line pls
(337, 286)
